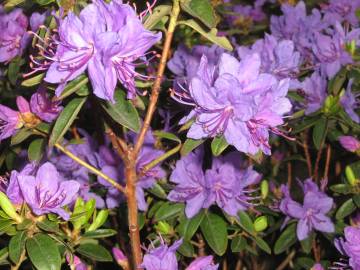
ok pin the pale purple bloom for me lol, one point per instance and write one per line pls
(77, 263)
(10, 120)
(13, 38)
(350, 143)
(162, 257)
(350, 103)
(350, 246)
(341, 10)
(312, 213)
(191, 186)
(13, 190)
(236, 100)
(36, 20)
(43, 107)
(47, 192)
(75, 46)
(317, 266)
(314, 89)
(125, 42)
(255, 13)
(203, 263)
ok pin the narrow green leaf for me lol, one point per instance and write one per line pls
(43, 252)
(78, 84)
(345, 209)
(188, 227)
(286, 239)
(65, 119)
(94, 252)
(33, 80)
(36, 149)
(156, 16)
(158, 191)
(214, 230)
(168, 210)
(218, 145)
(246, 223)
(202, 10)
(100, 233)
(211, 35)
(48, 226)
(190, 145)
(166, 135)
(306, 124)
(16, 246)
(14, 68)
(21, 136)
(186, 249)
(262, 244)
(123, 111)
(319, 132)
(5, 224)
(238, 244)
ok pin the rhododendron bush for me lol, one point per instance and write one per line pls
(180, 134)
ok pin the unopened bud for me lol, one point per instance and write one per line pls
(8, 208)
(264, 188)
(350, 176)
(260, 223)
(120, 258)
(163, 227)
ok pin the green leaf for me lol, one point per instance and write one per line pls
(305, 262)
(202, 10)
(188, 227)
(319, 132)
(78, 84)
(21, 136)
(262, 244)
(48, 226)
(14, 68)
(246, 223)
(156, 16)
(168, 211)
(186, 249)
(43, 252)
(65, 119)
(345, 209)
(158, 191)
(341, 188)
(5, 224)
(123, 111)
(214, 230)
(211, 35)
(190, 145)
(44, 2)
(100, 233)
(94, 252)
(306, 124)
(16, 246)
(33, 80)
(286, 239)
(218, 145)
(36, 149)
(4, 253)
(238, 244)
(166, 135)
(335, 84)
(13, 3)
(306, 244)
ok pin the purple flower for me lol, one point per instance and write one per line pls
(315, 90)
(350, 143)
(13, 190)
(125, 42)
(162, 257)
(350, 103)
(36, 20)
(75, 46)
(191, 186)
(47, 192)
(340, 11)
(203, 263)
(120, 258)
(312, 213)
(317, 266)
(46, 109)
(350, 246)
(13, 37)
(76, 262)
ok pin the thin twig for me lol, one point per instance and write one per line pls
(287, 260)
(327, 164)
(90, 168)
(307, 154)
(21, 260)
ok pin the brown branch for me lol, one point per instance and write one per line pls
(327, 164)
(307, 153)
(287, 260)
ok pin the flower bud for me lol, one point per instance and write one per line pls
(99, 220)
(350, 143)
(264, 188)
(260, 223)
(8, 208)
(317, 266)
(163, 227)
(350, 176)
(120, 258)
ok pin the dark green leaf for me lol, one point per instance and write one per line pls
(78, 84)
(158, 191)
(100, 233)
(246, 223)
(304, 262)
(218, 145)
(190, 145)
(44, 2)
(262, 244)
(168, 211)
(341, 188)
(188, 227)
(211, 35)
(345, 209)
(16, 246)
(214, 230)
(202, 10)
(14, 68)
(94, 252)
(306, 124)
(336, 84)
(43, 252)
(36, 149)
(65, 119)
(238, 244)
(5, 224)
(123, 111)
(186, 249)
(319, 132)
(166, 135)
(13, 3)
(21, 136)
(286, 239)
(48, 226)
(156, 16)
(25, 224)
(306, 244)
